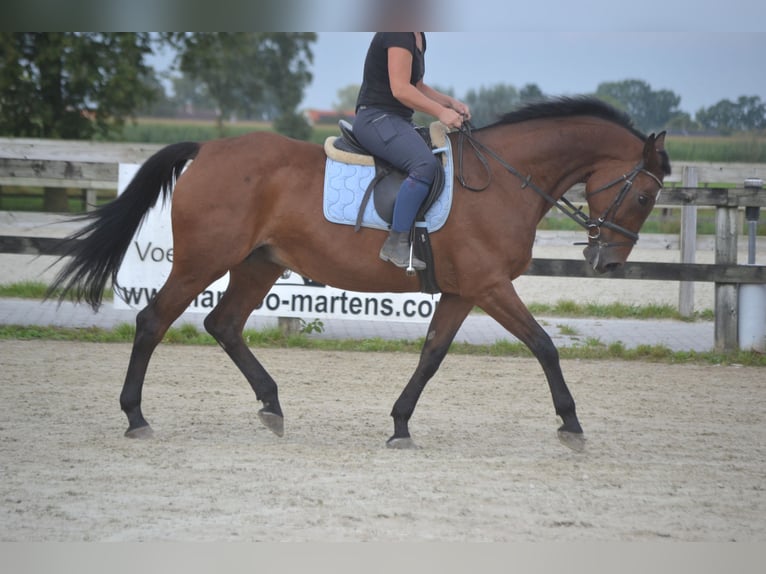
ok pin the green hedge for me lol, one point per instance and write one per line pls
(729, 149)
(170, 131)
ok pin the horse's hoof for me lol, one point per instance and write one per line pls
(402, 443)
(275, 423)
(575, 441)
(143, 432)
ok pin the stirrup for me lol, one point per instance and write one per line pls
(410, 270)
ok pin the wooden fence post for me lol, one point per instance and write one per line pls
(688, 244)
(55, 199)
(726, 304)
(91, 199)
(289, 325)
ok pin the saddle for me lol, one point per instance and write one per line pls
(345, 152)
(385, 185)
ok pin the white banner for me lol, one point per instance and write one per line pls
(148, 260)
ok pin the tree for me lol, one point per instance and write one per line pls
(650, 110)
(160, 105)
(220, 66)
(242, 70)
(287, 76)
(488, 104)
(747, 113)
(682, 122)
(346, 98)
(71, 84)
(752, 112)
(531, 93)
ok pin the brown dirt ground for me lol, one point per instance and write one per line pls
(675, 452)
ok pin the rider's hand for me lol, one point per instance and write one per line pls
(451, 118)
(462, 109)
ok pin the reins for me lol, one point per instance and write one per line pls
(592, 226)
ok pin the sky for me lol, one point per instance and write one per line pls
(702, 50)
(702, 67)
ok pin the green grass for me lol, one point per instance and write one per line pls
(165, 131)
(168, 130)
(24, 290)
(274, 338)
(569, 308)
(32, 199)
(36, 290)
(567, 330)
(745, 148)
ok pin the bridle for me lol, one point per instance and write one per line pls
(593, 226)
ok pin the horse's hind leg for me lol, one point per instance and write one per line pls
(249, 282)
(449, 315)
(151, 325)
(504, 305)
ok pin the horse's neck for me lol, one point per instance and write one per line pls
(561, 156)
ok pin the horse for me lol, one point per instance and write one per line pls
(252, 206)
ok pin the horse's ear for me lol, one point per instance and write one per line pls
(649, 148)
(654, 143)
(655, 156)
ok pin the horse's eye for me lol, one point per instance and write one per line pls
(643, 200)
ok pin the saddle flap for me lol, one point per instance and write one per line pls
(386, 187)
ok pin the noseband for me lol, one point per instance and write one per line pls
(592, 226)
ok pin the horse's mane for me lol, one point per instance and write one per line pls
(566, 106)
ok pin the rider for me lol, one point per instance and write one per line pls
(392, 89)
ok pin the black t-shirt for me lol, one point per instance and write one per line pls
(376, 87)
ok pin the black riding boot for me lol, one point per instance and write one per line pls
(396, 249)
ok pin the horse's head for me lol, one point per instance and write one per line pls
(620, 199)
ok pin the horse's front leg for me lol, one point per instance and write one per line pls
(505, 306)
(449, 315)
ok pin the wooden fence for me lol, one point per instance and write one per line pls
(88, 166)
(93, 166)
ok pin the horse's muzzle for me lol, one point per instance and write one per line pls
(603, 257)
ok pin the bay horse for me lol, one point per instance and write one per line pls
(252, 205)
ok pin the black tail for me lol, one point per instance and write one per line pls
(98, 248)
